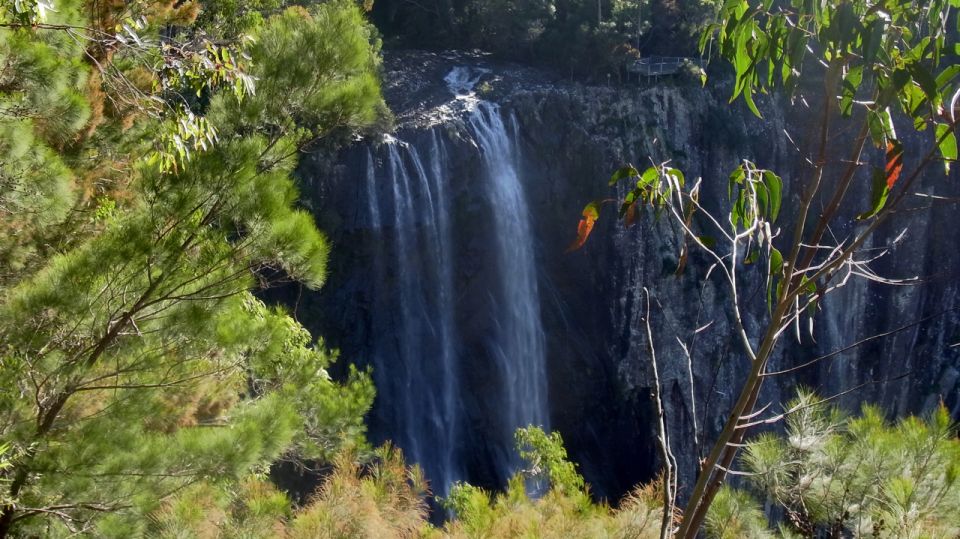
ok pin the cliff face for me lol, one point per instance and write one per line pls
(395, 292)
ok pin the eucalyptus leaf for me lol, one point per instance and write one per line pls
(623, 173)
(947, 141)
(878, 194)
(775, 187)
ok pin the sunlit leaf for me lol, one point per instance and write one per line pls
(633, 197)
(851, 83)
(748, 98)
(926, 81)
(947, 75)
(736, 178)
(776, 262)
(775, 187)
(947, 140)
(763, 200)
(590, 214)
(881, 127)
(648, 177)
(676, 174)
(738, 214)
(774, 271)
(879, 191)
(894, 162)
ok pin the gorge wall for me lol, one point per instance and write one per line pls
(450, 276)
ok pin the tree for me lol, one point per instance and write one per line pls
(866, 64)
(848, 476)
(136, 363)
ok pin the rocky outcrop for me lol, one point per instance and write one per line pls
(591, 301)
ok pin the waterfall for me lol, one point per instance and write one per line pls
(519, 340)
(413, 351)
(424, 393)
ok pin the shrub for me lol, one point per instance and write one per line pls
(861, 476)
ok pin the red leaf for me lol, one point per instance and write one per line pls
(631, 216)
(894, 162)
(590, 214)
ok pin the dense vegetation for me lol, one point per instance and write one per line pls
(846, 476)
(146, 193)
(829, 474)
(584, 38)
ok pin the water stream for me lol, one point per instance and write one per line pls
(416, 350)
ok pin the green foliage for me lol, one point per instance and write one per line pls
(518, 23)
(564, 510)
(42, 108)
(734, 515)
(321, 79)
(861, 476)
(546, 459)
(585, 38)
(136, 363)
(472, 507)
(26, 11)
(231, 19)
(387, 499)
(383, 499)
(881, 60)
(877, 57)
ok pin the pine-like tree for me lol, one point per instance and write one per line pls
(136, 363)
(835, 476)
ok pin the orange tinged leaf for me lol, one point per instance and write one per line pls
(590, 214)
(631, 215)
(894, 162)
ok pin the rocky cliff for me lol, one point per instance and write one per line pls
(419, 283)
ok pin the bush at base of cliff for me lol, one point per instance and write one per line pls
(385, 498)
(382, 499)
(564, 510)
(862, 477)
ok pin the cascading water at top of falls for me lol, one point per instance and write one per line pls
(420, 363)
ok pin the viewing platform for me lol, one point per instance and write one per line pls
(656, 66)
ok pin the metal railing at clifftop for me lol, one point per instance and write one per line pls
(656, 66)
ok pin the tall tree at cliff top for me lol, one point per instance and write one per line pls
(146, 190)
(866, 66)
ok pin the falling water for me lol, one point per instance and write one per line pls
(417, 354)
(414, 349)
(519, 340)
(371, 185)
